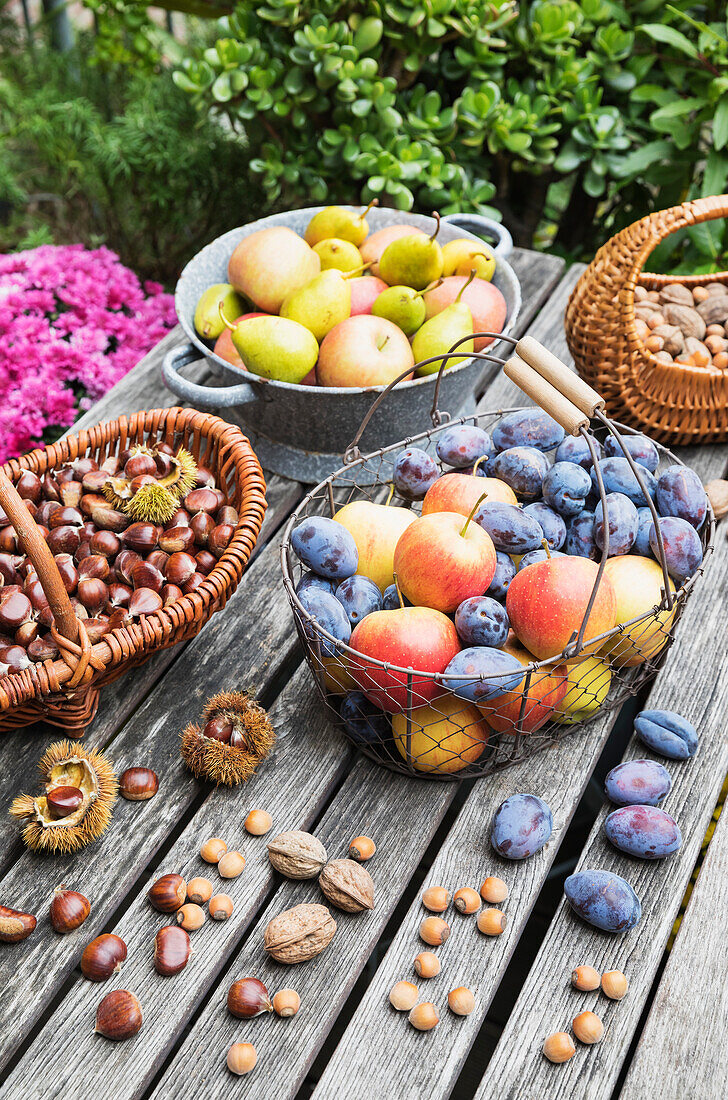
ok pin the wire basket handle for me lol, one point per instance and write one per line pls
(40, 555)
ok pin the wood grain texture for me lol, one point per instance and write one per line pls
(694, 682)
(681, 1044)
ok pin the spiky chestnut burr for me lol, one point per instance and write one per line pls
(232, 761)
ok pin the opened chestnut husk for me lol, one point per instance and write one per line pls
(234, 736)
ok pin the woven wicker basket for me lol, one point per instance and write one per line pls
(64, 692)
(673, 403)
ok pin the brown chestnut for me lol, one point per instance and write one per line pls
(124, 564)
(220, 537)
(159, 559)
(205, 477)
(111, 465)
(248, 997)
(228, 514)
(105, 543)
(68, 572)
(144, 575)
(168, 893)
(96, 628)
(141, 537)
(218, 729)
(193, 583)
(83, 466)
(63, 475)
(42, 649)
(201, 525)
(138, 784)
(15, 925)
(15, 609)
(29, 486)
(92, 593)
(171, 593)
(47, 508)
(138, 483)
(144, 601)
(69, 909)
(119, 1016)
(204, 500)
(94, 481)
(63, 801)
(103, 957)
(8, 570)
(175, 539)
(71, 494)
(26, 633)
(119, 594)
(180, 568)
(65, 516)
(206, 562)
(109, 519)
(8, 541)
(83, 552)
(172, 949)
(95, 565)
(138, 465)
(181, 518)
(164, 464)
(64, 540)
(13, 658)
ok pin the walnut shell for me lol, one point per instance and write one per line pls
(686, 318)
(297, 854)
(677, 293)
(299, 934)
(672, 338)
(347, 885)
(714, 310)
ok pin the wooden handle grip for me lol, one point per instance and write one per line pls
(571, 418)
(558, 374)
(37, 549)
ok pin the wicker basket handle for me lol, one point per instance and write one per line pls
(40, 555)
(637, 241)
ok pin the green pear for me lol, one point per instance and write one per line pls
(403, 306)
(275, 347)
(415, 260)
(208, 322)
(320, 304)
(343, 255)
(337, 221)
(455, 322)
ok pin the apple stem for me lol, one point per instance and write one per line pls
(399, 591)
(436, 216)
(473, 510)
(362, 216)
(471, 276)
(476, 464)
(391, 494)
(223, 318)
(547, 548)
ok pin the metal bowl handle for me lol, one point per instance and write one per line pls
(484, 227)
(202, 397)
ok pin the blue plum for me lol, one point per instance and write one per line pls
(359, 597)
(580, 536)
(638, 783)
(641, 544)
(667, 733)
(326, 547)
(551, 523)
(534, 556)
(521, 826)
(566, 487)
(414, 472)
(505, 571)
(462, 444)
(683, 548)
(680, 493)
(643, 831)
(390, 599)
(509, 527)
(492, 672)
(312, 580)
(642, 450)
(481, 620)
(365, 723)
(523, 468)
(603, 899)
(574, 449)
(329, 614)
(527, 428)
(623, 524)
(618, 478)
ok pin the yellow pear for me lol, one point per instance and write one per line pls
(414, 260)
(342, 255)
(460, 256)
(321, 304)
(337, 221)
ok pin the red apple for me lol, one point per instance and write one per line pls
(412, 637)
(487, 304)
(440, 560)
(461, 492)
(547, 602)
(546, 689)
(363, 351)
(365, 290)
(224, 346)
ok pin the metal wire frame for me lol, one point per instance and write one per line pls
(503, 748)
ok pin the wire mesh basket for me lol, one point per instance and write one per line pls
(437, 722)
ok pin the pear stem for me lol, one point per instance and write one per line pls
(547, 548)
(430, 286)
(473, 510)
(471, 276)
(477, 463)
(399, 591)
(436, 216)
(391, 494)
(362, 216)
(356, 271)
(223, 318)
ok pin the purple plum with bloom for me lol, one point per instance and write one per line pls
(414, 472)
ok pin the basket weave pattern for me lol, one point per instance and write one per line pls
(674, 403)
(64, 692)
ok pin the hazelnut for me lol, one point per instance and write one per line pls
(248, 997)
(588, 1028)
(424, 1016)
(258, 822)
(69, 909)
(721, 360)
(494, 890)
(614, 984)
(654, 343)
(436, 899)
(168, 893)
(103, 957)
(491, 922)
(714, 344)
(362, 848)
(119, 1015)
(241, 1058)
(715, 330)
(220, 907)
(286, 1002)
(403, 996)
(461, 1001)
(190, 917)
(559, 1047)
(15, 925)
(656, 318)
(231, 865)
(172, 949)
(585, 978)
(427, 964)
(138, 784)
(466, 900)
(434, 931)
(213, 850)
(199, 890)
(700, 293)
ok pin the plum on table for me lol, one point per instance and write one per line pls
(638, 783)
(623, 524)
(414, 472)
(566, 487)
(505, 571)
(527, 428)
(642, 450)
(521, 826)
(510, 528)
(552, 524)
(326, 547)
(680, 493)
(603, 899)
(618, 477)
(493, 672)
(329, 615)
(462, 444)
(482, 621)
(683, 548)
(646, 832)
(667, 733)
(359, 597)
(580, 536)
(574, 448)
(523, 468)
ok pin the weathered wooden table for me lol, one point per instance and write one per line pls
(346, 1040)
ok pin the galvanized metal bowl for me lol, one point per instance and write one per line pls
(302, 431)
